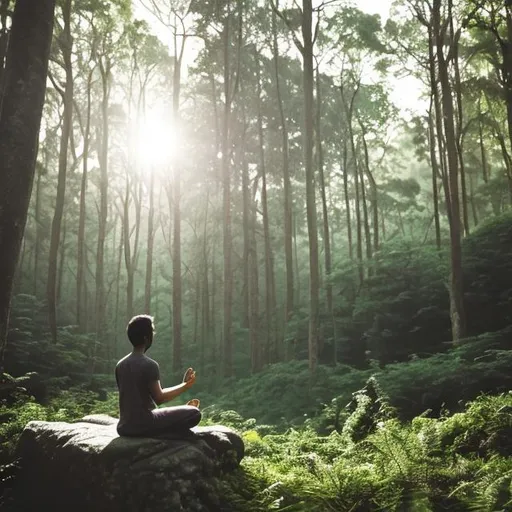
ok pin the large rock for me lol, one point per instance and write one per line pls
(87, 467)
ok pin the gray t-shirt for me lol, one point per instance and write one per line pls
(134, 375)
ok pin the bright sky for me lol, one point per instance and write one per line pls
(405, 91)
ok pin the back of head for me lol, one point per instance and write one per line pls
(140, 329)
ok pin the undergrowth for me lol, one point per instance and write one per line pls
(374, 461)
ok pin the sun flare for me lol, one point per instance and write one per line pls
(156, 142)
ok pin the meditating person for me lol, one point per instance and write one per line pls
(138, 381)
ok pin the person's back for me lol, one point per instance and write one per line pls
(138, 381)
(134, 375)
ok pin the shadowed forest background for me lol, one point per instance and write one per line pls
(311, 200)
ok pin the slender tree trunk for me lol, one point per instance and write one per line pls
(456, 278)
(227, 351)
(62, 259)
(37, 244)
(349, 111)
(151, 240)
(373, 190)
(205, 337)
(256, 355)
(21, 108)
(271, 352)
(483, 153)
(100, 305)
(308, 85)
(176, 255)
(246, 231)
(131, 256)
(347, 201)
(443, 165)
(459, 127)
(435, 173)
(367, 233)
(325, 214)
(296, 257)
(287, 187)
(118, 288)
(80, 276)
(474, 209)
(66, 45)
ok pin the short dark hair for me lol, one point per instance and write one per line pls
(140, 327)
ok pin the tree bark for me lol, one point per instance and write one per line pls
(176, 255)
(20, 118)
(254, 329)
(151, 240)
(308, 84)
(66, 46)
(287, 187)
(37, 213)
(435, 173)
(271, 352)
(100, 305)
(325, 214)
(456, 277)
(80, 275)
(227, 348)
(347, 201)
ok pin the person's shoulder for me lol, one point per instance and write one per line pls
(150, 361)
(122, 360)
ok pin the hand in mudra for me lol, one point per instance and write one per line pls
(190, 377)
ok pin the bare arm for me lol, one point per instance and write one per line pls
(161, 396)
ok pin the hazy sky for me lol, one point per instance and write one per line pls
(405, 92)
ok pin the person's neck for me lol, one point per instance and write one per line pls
(138, 350)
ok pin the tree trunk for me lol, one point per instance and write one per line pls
(20, 118)
(246, 231)
(367, 233)
(325, 215)
(347, 201)
(151, 240)
(118, 288)
(131, 256)
(459, 138)
(37, 214)
(254, 329)
(100, 306)
(435, 173)
(287, 187)
(308, 84)
(483, 154)
(62, 259)
(271, 352)
(227, 349)
(373, 189)
(80, 275)
(66, 46)
(176, 255)
(349, 112)
(456, 278)
(206, 289)
(439, 121)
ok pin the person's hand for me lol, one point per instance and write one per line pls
(189, 378)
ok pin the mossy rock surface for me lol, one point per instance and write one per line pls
(86, 466)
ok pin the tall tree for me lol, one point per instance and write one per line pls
(21, 107)
(305, 48)
(65, 43)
